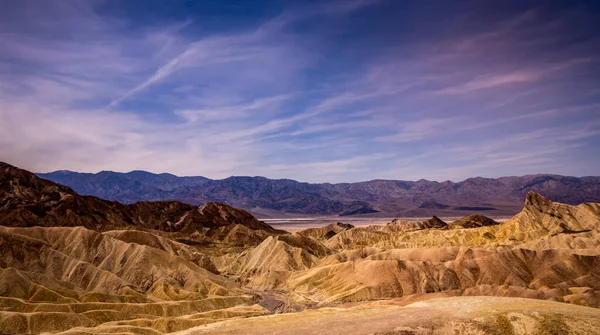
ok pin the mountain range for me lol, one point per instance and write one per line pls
(27, 200)
(73, 264)
(284, 197)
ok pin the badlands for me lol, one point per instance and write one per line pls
(75, 264)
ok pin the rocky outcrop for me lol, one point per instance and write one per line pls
(214, 215)
(326, 232)
(435, 222)
(406, 226)
(542, 217)
(268, 265)
(384, 274)
(474, 221)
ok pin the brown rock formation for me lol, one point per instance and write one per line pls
(406, 226)
(84, 265)
(327, 231)
(474, 221)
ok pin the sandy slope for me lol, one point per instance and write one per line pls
(59, 276)
(53, 279)
(457, 316)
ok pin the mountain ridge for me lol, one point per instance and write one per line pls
(66, 171)
(27, 200)
(79, 264)
(275, 197)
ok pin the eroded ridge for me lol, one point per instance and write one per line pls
(78, 264)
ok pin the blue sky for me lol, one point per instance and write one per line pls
(314, 91)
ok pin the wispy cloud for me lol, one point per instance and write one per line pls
(491, 82)
(235, 111)
(234, 48)
(420, 129)
(315, 92)
(523, 76)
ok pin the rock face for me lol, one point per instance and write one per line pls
(268, 265)
(214, 214)
(501, 196)
(435, 222)
(328, 231)
(406, 226)
(76, 264)
(474, 221)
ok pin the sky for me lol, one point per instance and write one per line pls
(317, 91)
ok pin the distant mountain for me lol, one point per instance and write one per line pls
(27, 200)
(276, 197)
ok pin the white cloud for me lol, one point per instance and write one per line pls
(273, 101)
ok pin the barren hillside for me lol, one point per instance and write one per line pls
(79, 264)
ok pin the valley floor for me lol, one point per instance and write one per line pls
(294, 224)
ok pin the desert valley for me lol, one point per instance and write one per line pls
(300, 167)
(75, 264)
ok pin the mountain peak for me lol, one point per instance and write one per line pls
(221, 214)
(475, 221)
(435, 222)
(536, 201)
(392, 198)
